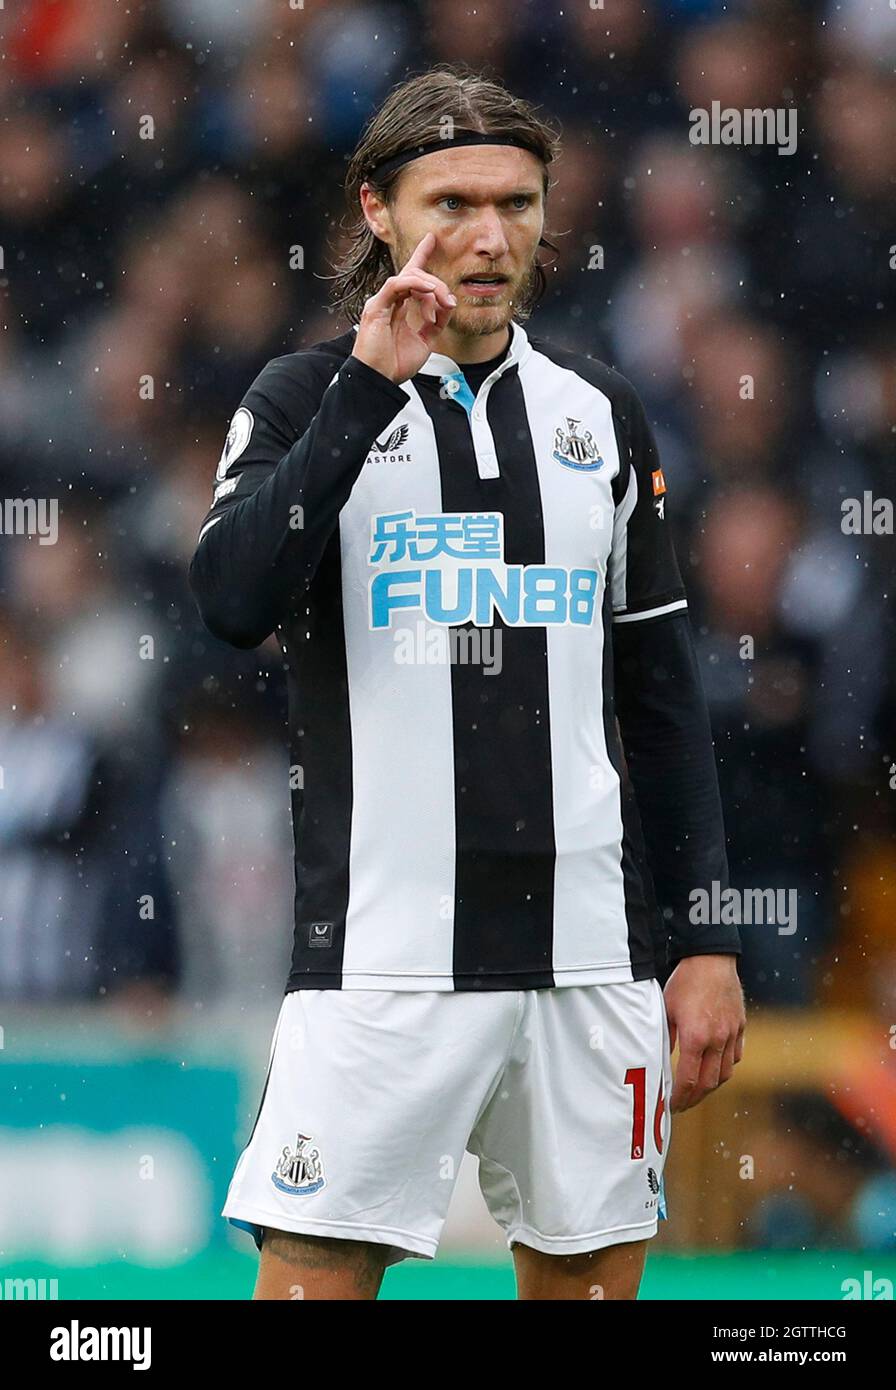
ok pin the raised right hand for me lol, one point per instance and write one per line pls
(399, 323)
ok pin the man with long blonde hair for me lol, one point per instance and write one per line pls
(488, 893)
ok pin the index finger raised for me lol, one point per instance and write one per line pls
(421, 252)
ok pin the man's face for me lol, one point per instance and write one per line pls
(485, 205)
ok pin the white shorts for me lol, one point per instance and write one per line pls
(372, 1096)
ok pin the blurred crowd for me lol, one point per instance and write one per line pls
(170, 209)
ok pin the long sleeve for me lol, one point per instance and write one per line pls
(295, 448)
(666, 736)
(661, 706)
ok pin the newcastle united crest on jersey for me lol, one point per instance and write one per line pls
(577, 451)
(300, 1171)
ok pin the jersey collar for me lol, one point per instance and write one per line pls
(438, 364)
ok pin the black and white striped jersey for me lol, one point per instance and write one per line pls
(452, 575)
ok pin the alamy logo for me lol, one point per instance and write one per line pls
(456, 646)
(31, 516)
(29, 1289)
(867, 515)
(300, 1170)
(77, 1343)
(744, 907)
(450, 567)
(575, 450)
(750, 127)
(867, 1287)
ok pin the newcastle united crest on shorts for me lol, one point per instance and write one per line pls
(300, 1172)
(577, 451)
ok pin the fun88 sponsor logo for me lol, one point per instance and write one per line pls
(450, 566)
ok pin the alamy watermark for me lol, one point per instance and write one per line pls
(866, 516)
(28, 1290)
(79, 1342)
(728, 126)
(427, 645)
(30, 516)
(868, 1287)
(738, 907)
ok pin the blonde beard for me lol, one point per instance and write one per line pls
(482, 320)
(474, 323)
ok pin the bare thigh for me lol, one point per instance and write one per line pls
(296, 1266)
(614, 1272)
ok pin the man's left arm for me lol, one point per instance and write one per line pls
(664, 722)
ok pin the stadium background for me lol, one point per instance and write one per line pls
(149, 269)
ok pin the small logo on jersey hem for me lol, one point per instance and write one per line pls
(386, 450)
(577, 451)
(320, 934)
(300, 1171)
